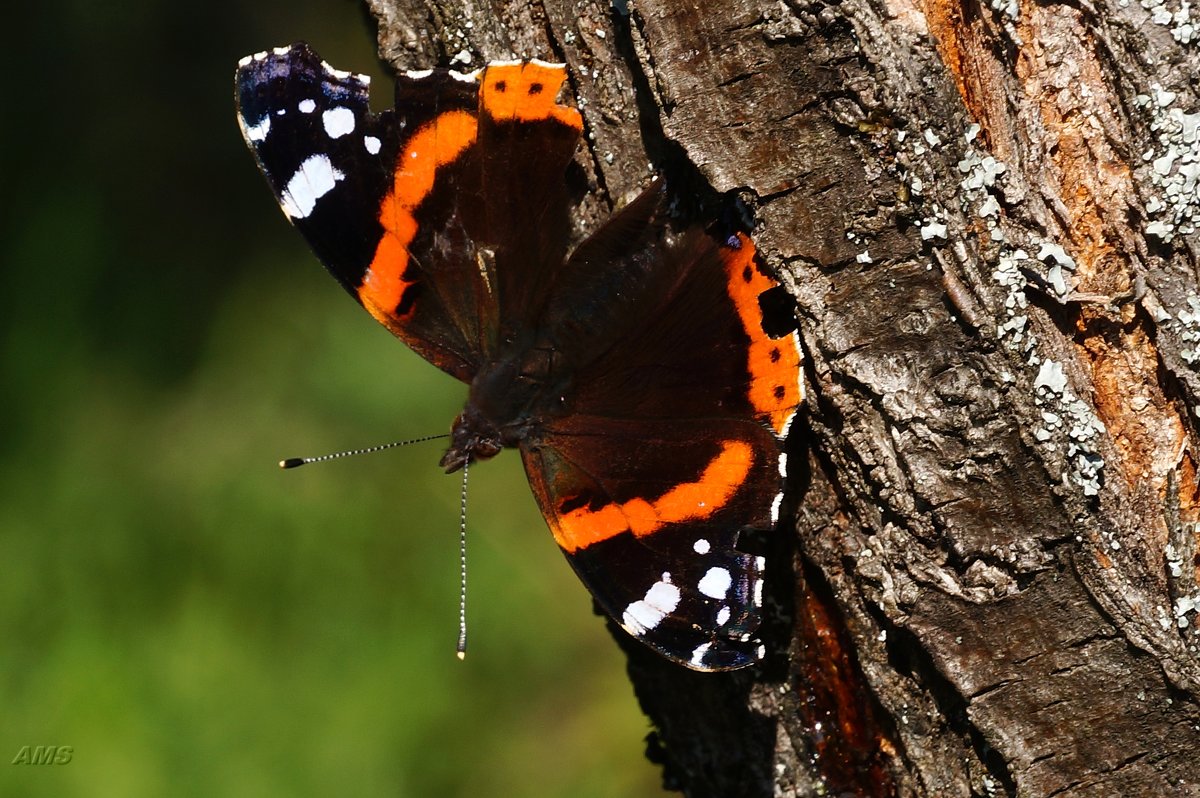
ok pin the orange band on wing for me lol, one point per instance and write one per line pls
(526, 91)
(687, 501)
(773, 363)
(436, 144)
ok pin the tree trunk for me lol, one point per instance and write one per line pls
(986, 216)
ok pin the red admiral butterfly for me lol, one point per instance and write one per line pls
(634, 375)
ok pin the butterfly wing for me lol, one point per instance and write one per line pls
(421, 211)
(672, 443)
(649, 516)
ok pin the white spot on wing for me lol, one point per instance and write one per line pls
(702, 546)
(660, 601)
(418, 74)
(372, 144)
(700, 652)
(314, 179)
(257, 132)
(783, 465)
(307, 106)
(778, 500)
(466, 77)
(338, 122)
(722, 616)
(715, 583)
(547, 64)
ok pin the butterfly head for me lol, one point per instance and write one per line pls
(472, 438)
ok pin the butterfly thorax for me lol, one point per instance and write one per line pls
(509, 400)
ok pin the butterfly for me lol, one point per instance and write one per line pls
(635, 374)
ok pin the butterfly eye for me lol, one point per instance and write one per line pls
(485, 449)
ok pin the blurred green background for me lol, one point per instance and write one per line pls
(188, 618)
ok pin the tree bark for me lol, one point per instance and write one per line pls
(986, 215)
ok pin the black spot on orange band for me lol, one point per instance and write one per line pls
(525, 91)
(775, 388)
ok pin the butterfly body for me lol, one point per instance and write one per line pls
(634, 374)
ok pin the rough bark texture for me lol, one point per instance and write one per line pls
(985, 213)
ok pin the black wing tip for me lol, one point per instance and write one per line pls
(296, 61)
(260, 66)
(286, 52)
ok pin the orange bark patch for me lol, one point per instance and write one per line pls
(1189, 502)
(966, 49)
(687, 501)
(1053, 114)
(1065, 85)
(1141, 421)
(1189, 494)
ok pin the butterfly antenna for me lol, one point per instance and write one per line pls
(296, 462)
(462, 568)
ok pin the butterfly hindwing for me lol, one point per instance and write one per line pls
(649, 514)
(670, 443)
